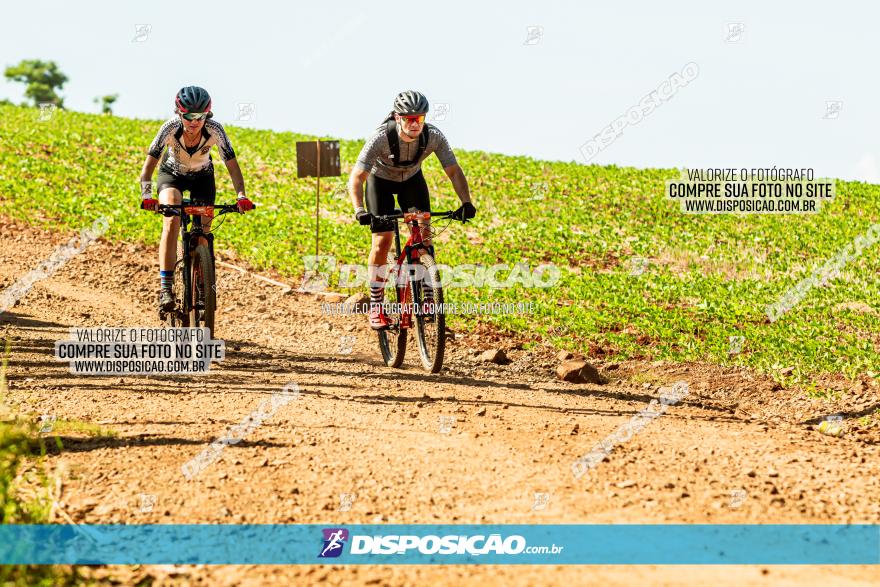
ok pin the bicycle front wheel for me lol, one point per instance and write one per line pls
(204, 297)
(179, 318)
(392, 342)
(430, 321)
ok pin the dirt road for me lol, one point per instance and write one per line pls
(735, 450)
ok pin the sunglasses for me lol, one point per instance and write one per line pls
(195, 115)
(420, 118)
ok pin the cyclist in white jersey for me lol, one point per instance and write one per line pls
(184, 144)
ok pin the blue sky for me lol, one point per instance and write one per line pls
(333, 68)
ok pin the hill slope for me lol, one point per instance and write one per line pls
(707, 278)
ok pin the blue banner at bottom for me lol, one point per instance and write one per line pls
(442, 544)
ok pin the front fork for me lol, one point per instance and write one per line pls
(190, 242)
(402, 289)
(405, 292)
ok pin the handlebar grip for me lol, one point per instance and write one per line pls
(168, 211)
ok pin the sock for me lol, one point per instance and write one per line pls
(166, 278)
(377, 296)
(377, 274)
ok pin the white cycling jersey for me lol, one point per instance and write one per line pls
(180, 160)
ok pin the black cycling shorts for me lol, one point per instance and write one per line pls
(412, 192)
(201, 187)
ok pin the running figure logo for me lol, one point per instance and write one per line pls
(334, 541)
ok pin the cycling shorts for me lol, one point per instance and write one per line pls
(201, 187)
(412, 192)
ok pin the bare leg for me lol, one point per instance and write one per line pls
(170, 230)
(379, 258)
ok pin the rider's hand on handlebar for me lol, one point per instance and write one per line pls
(244, 205)
(464, 212)
(150, 204)
(363, 217)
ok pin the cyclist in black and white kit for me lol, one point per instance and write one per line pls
(186, 141)
(385, 177)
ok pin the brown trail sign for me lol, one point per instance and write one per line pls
(317, 159)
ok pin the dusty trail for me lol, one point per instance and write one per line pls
(360, 428)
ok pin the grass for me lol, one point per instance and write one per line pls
(814, 391)
(644, 377)
(869, 419)
(81, 428)
(709, 277)
(19, 442)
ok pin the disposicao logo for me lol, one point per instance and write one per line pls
(443, 545)
(334, 542)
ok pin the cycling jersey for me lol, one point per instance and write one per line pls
(376, 154)
(181, 161)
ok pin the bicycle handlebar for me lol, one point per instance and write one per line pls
(400, 214)
(178, 209)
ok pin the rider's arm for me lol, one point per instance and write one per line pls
(235, 175)
(459, 182)
(356, 186)
(437, 140)
(227, 154)
(370, 152)
(154, 151)
(146, 178)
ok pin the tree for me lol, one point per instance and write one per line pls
(42, 78)
(106, 102)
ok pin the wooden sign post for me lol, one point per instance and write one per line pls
(317, 159)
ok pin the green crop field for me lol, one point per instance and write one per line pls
(707, 278)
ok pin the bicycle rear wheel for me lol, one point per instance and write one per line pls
(392, 342)
(430, 321)
(204, 297)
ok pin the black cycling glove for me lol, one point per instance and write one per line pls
(465, 212)
(363, 217)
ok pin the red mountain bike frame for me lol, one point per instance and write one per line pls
(411, 251)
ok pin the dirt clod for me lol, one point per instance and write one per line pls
(497, 356)
(578, 371)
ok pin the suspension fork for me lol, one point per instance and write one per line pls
(403, 285)
(396, 241)
(413, 252)
(197, 236)
(208, 236)
(187, 264)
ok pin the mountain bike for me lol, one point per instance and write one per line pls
(194, 269)
(410, 286)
